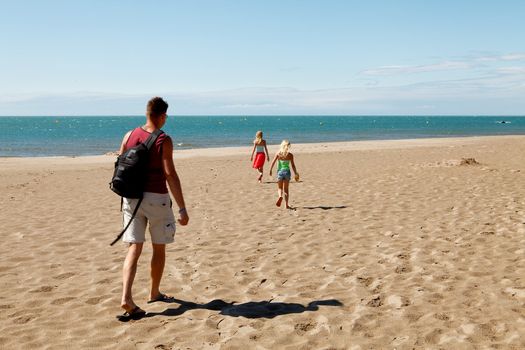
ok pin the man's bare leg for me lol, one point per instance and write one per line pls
(157, 269)
(128, 275)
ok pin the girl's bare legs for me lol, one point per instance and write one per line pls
(279, 193)
(286, 193)
(260, 170)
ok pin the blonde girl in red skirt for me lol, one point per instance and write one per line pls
(259, 148)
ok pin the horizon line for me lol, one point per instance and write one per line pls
(261, 115)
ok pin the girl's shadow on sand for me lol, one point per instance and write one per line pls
(324, 207)
(252, 309)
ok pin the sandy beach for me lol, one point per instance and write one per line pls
(392, 245)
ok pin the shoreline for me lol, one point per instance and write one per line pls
(308, 148)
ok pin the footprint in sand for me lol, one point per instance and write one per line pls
(435, 298)
(23, 319)
(493, 329)
(375, 302)
(358, 327)
(105, 281)
(413, 316)
(366, 281)
(403, 269)
(433, 336)
(255, 336)
(302, 328)
(441, 316)
(377, 288)
(403, 256)
(61, 301)
(63, 276)
(94, 300)
(250, 259)
(43, 289)
(347, 274)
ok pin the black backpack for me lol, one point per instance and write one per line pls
(129, 176)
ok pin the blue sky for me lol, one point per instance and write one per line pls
(263, 57)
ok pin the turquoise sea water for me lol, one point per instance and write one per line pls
(77, 136)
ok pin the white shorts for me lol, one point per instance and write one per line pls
(155, 209)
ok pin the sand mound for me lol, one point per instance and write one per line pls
(468, 161)
(453, 163)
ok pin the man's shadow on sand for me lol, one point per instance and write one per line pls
(252, 309)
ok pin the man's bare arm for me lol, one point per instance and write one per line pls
(123, 144)
(173, 179)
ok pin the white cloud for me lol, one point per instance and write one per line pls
(442, 66)
(249, 105)
(426, 107)
(464, 64)
(513, 57)
(511, 70)
(500, 58)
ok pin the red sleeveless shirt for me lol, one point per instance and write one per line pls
(156, 180)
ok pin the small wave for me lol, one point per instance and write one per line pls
(186, 145)
(503, 122)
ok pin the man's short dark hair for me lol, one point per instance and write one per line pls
(156, 107)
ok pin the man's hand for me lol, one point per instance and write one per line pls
(184, 218)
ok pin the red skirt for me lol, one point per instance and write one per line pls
(258, 160)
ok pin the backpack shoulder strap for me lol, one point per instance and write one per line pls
(129, 222)
(152, 138)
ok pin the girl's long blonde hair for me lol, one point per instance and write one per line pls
(285, 148)
(258, 137)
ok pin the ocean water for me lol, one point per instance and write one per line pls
(78, 136)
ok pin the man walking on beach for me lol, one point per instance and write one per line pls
(155, 208)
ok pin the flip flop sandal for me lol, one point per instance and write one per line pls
(136, 314)
(163, 298)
